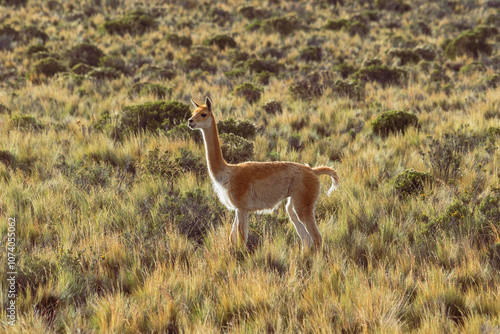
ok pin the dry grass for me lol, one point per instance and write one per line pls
(107, 245)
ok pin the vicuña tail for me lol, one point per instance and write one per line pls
(332, 173)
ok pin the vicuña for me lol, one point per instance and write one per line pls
(260, 186)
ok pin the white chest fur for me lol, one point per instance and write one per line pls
(221, 188)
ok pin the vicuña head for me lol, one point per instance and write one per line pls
(261, 186)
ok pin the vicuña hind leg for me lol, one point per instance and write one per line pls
(305, 212)
(299, 227)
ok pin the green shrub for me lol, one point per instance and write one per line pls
(219, 16)
(192, 214)
(254, 25)
(26, 122)
(493, 81)
(13, 3)
(250, 13)
(152, 116)
(93, 175)
(264, 77)
(84, 53)
(180, 41)
(147, 88)
(348, 88)
(273, 107)
(426, 53)
(406, 56)
(382, 74)
(393, 5)
(237, 57)
(311, 53)
(261, 65)
(188, 162)
(490, 205)
(282, 25)
(8, 159)
(236, 149)
(444, 155)
(134, 23)
(35, 49)
(345, 70)
(306, 89)
(295, 142)
(471, 42)
(237, 72)
(47, 67)
(163, 165)
(115, 62)
(82, 69)
(198, 62)
(249, 92)
(475, 66)
(104, 73)
(336, 24)
(244, 128)
(393, 121)
(222, 42)
(411, 182)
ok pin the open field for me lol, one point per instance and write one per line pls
(118, 228)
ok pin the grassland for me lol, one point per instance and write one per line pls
(118, 228)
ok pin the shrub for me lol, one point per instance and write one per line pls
(475, 66)
(26, 122)
(282, 25)
(439, 75)
(35, 49)
(163, 165)
(336, 24)
(249, 92)
(348, 88)
(84, 53)
(260, 65)
(426, 53)
(180, 41)
(237, 57)
(82, 69)
(411, 182)
(115, 62)
(493, 81)
(9, 36)
(235, 73)
(236, 149)
(147, 88)
(393, 5)
(47, 67)
(219, 16)
(152, 116)
(13, 3)
(264, 77)
(490, 205)
(189, 162)
(406, 56)
(104, 73)
(471, 42)
(222, 41)
(273, 107)
(8, 159)
(250, 13)
(137, 22)
(295, 142)
(393, 121)
(254, 25)
(192, 214)
(93, 175)
(244, 128)
(353, 26)
(444, 155)
(382, 74)
(198, 62)
(420, 28)
(345, 70)
(306, 89)
(311, 53)
(273, 53)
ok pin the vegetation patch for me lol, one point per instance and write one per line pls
(251, 93)
(411, 182)
(135, 23)
(242, 128)
(382, 74)
(46, 68)
(222, 42)
(180, 41)
(84, 53)
(147, 88)
(394, 121)
(283, 25)
(472, 42)
(152, 116)
(236, 149)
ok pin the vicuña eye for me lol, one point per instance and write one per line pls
(203, 115)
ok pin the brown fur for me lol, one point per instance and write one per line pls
(258, 186)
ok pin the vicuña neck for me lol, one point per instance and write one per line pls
(215, 161)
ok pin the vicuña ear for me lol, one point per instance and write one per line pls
(208, 103)
(193, 102)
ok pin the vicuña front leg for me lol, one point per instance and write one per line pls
(240, 228)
